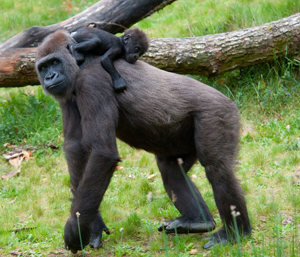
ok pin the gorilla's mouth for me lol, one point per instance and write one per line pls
(56, 88)
(58, 84)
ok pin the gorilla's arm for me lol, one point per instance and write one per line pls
(99, 141)
(76, 155)
(86, 42)
(107, 63)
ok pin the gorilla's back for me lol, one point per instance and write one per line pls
(156, 112)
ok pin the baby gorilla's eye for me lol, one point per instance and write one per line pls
(55, 62)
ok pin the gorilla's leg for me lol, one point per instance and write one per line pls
(186, 197)
(227, 193)
(98, 226)
(216, 144)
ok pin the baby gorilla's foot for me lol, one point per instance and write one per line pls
(120, 85)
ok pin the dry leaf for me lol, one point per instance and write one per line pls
(17, 253)
(16, 161)
(287, 220)
(68, 5)
(16, 157)
(149, 196)
(296, 178)
(151, 176)
(193, 252)
(26, 155)
(12, 155)
(11, 174)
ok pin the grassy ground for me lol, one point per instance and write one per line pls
(37, 200)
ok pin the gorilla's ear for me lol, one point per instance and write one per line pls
(126, 38)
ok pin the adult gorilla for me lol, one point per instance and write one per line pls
(169, 115)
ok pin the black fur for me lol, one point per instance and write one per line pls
(169, 115)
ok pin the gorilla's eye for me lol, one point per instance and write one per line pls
(137, 49)
(55, 62)
(43, 67)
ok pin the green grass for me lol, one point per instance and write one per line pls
(17, 16)
(193, 18)
(269, 160)
(30, 117)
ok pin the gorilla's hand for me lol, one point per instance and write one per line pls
(98, 226)
(71, 236)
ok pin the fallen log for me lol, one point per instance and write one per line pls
(218, 53)
(207, 55)
(17, 67)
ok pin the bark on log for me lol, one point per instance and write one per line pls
(17, 67)
(112, 16)
(207, 55)
(218, 53)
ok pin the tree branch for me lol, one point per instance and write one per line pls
(112, 16)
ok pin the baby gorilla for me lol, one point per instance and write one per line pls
(133, 44)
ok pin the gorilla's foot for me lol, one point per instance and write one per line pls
(215, 241)
(221, 238)
(95, 241)
(182, 226)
